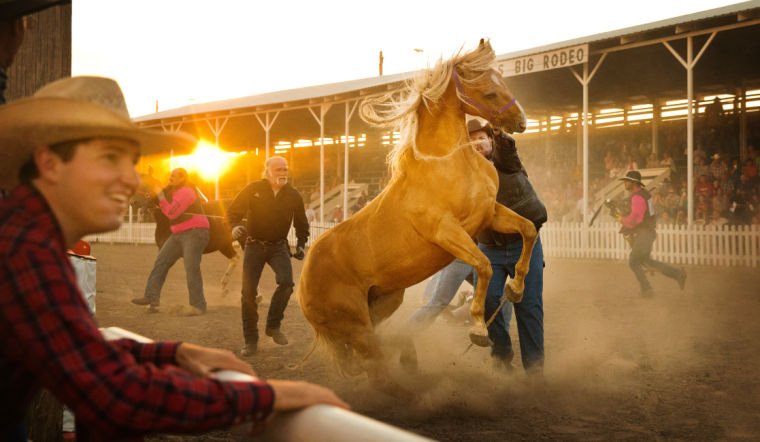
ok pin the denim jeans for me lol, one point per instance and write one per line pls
(439, 292)
(188, 245)
(641, 251)
(529, 312)
(277, 255)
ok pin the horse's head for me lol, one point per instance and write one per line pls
(483, 92)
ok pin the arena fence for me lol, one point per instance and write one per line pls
(677, 244)
(726, 245)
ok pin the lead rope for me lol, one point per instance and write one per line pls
(503, 302)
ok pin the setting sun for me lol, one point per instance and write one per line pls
(208, 161)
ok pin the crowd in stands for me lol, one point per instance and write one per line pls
(727, 190)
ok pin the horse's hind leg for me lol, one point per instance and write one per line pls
(227, 273)
(367, 346)
(381, 306)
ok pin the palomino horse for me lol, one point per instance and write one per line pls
(441, 194)
(220, 236)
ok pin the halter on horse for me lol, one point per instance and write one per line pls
(441, 194)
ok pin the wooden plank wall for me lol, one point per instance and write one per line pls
(45, 54)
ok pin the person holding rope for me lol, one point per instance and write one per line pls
(69, 155)
(503, 250)
(181, 203)
(639, 230)
(269, 206)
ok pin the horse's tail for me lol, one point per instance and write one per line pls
(341, 356)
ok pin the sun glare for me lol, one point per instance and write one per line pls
(208, 161)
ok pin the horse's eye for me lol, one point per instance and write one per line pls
(490, 96)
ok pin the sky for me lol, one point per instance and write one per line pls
(180, 52)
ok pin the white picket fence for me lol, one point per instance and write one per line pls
(676, 244)
(143, 233)
(687, 245)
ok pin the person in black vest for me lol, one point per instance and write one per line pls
(639, 228)
(270, 206)
(503, 250)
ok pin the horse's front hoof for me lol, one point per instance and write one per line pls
(512, 295)
(479, 337)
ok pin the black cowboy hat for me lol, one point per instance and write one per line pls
(10, 9)
(633, 176)
(475, 124)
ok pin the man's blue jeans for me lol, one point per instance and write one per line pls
(529, 312)
(257, 254)
(188, 245)
(439, 292)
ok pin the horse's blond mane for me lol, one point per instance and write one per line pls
(397, 109)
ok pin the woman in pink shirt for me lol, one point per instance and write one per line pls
(181, 203)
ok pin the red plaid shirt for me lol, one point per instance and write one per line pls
(49, 339)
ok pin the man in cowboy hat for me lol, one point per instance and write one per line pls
(69, 153)
(12, 29)
(639, 225)
(503, 251)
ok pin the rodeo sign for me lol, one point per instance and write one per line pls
(544, 61)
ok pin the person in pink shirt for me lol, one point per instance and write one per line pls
(181, 203)
(639, 225)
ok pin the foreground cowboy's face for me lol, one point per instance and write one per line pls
(91, 192)
(277, 172)
(482, 143)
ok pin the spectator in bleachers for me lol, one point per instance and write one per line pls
(667, 161)
(700, 167)
(310, 214)
(337, 214)
(750, 169)
(741, 208)
(704, 186)
(716, 219)
(702, 209)
(718, 167)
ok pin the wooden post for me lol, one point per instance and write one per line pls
(44, 418)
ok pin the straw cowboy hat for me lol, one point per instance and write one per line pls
(70, 109)
(633, 176)
(16, 8)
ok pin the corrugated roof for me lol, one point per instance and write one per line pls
(293, 98)
(280, 97)
(618, 33)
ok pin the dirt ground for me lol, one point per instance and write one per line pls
(679, 366)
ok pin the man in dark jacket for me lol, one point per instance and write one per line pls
(270, 206)
(503, 251)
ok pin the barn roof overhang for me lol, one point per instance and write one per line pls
(637, 68)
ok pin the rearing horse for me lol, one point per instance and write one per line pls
(442, 193)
